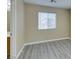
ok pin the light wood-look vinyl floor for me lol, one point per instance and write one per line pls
(52, 50)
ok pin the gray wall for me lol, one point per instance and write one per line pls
(8, 20)
(17, 27)
(31, 18)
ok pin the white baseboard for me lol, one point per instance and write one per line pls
(20, 52)
(38, 42)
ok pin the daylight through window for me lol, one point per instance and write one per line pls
(46, 20)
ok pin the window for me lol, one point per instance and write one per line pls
(46, 20)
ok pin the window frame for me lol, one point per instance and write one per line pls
(48, 13)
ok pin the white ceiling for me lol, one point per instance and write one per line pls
(59, 3)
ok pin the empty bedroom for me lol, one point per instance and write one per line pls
(41, 29)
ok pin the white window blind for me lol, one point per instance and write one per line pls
(46, 20)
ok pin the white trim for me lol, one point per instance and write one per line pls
(38, 42)
(21, 50)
